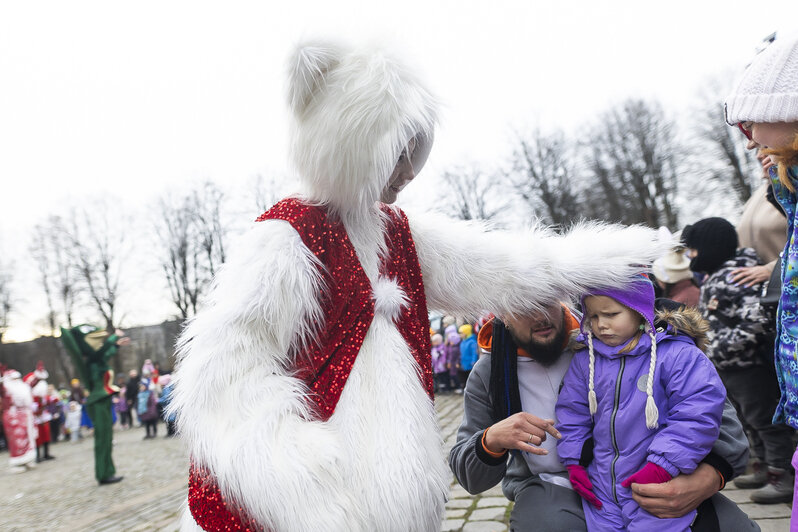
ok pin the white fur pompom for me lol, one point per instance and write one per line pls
(389, 298)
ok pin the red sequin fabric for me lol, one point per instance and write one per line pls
(348, 308)
(209, 509)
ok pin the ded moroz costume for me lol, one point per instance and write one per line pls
(304, 388)
(18, 424)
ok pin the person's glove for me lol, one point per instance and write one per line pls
(582, 485)
(648, 474)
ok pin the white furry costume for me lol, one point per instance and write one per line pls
(376, 464)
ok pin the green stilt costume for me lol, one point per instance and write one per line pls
(90, 349)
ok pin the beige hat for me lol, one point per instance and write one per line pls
(672, 268)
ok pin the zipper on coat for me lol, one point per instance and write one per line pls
(612, 427)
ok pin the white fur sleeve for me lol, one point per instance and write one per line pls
(242, 413)
(468, 269)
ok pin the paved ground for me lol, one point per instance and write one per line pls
(62, 495)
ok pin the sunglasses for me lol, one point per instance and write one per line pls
(745, 127)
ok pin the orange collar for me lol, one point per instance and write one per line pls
(485, 336)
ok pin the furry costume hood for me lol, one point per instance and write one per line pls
(353, 112)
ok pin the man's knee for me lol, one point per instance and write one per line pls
(545, 506)
(730, 517)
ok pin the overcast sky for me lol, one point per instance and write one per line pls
(131, 98)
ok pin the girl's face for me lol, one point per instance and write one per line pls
(611, 322)
(774, 135)
(402, 174)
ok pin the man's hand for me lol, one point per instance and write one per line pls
(751, 275)
(679, 496)
(522, 431)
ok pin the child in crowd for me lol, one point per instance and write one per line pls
(147, 409)
(439, 368)
(163, 403)
(73, 417)
(648, 399)
(56, 410)
(452, 348)
(121, 406)
(764, 105)
(469, 353)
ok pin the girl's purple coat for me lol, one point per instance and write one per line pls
(688, 394)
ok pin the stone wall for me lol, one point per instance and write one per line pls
(155, 342)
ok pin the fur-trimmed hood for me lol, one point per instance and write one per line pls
(685, 320)
(353, 112)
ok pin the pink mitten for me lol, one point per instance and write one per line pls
(582, 485)
(649, 474)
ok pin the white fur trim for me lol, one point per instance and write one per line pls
(242, 413)
(353, 113)
(389, 298)
(375, 465)
(40, 389)
(187, 523)
(20, 393)
(23, 459)
(394, 462)
(466, 268)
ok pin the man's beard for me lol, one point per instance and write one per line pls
(545, 353)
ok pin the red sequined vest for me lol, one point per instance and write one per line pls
(348, 308)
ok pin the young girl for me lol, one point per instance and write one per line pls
(452, 350)
(647, 400)
(73, 417)
(439, 369)
(147, 409)
(764, 105)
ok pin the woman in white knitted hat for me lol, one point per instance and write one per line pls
(764, 105)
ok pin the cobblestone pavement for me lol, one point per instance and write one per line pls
(62, 494)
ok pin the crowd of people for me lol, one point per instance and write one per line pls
(648, 398)
(35, 414)
(610, 395)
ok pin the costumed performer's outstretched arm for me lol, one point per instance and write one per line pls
(467, 268)
(246, 419)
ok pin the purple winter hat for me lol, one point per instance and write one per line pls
(638, 296)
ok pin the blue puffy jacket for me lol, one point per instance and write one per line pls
(468, 353)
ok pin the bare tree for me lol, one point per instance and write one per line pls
(98, 251)
(633, 158)
(207, 203)
(469, 193)
(266, 191)
(724, 157)
(543, 176)
(5, 298)
(191, 234)
(50, 250)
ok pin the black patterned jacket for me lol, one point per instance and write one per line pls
(740, 334)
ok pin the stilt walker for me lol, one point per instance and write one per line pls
(91, 348)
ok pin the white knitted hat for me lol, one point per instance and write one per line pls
(768, 89)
